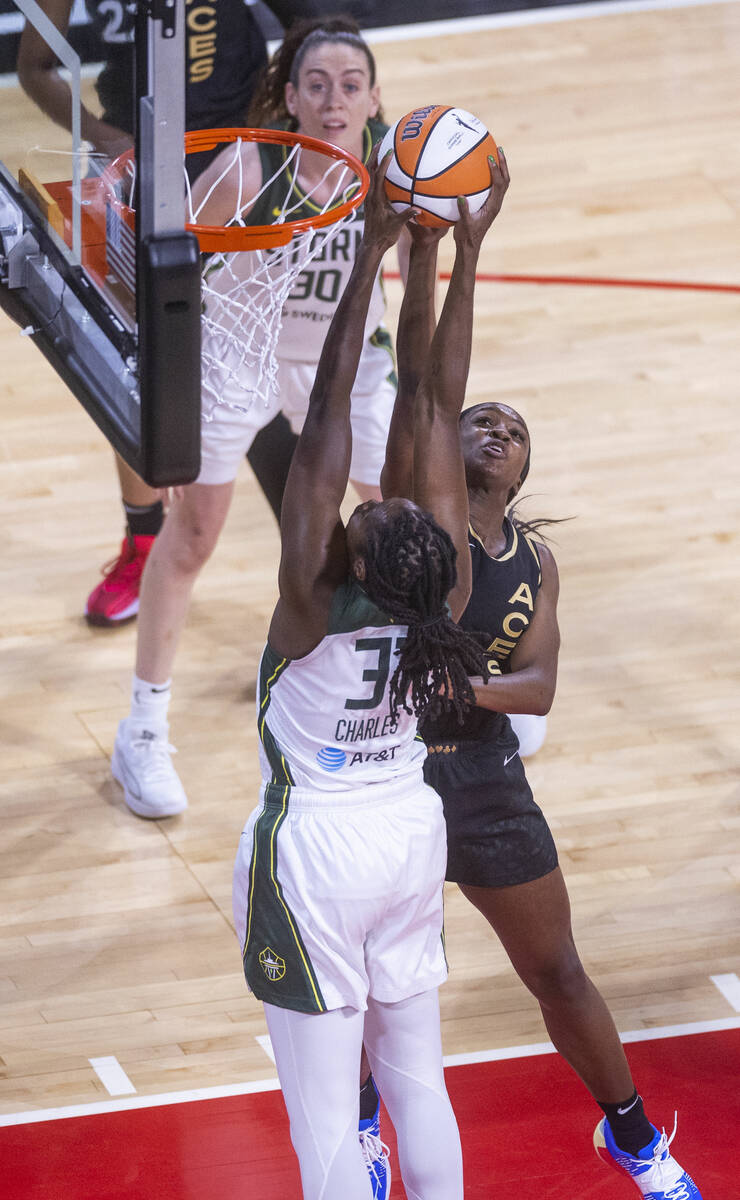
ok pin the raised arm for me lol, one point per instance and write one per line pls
(415, 332)
(439, 473)
(314, 553)
(229, 182)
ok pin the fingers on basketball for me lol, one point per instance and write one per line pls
(378, 193)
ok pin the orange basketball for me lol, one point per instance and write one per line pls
(439, 153)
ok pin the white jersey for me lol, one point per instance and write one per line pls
(313, 299)
(237, 285)
(324, 720)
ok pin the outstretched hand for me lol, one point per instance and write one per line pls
(383, 224)
(471, 228)
(427, 235)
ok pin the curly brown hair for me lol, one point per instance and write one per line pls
(268, 103)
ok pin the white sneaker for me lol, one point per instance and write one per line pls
(142, 764)
(654, 1170)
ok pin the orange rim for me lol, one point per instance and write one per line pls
(227, 239)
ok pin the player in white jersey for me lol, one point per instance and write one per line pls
(334, 97)
(338, 877)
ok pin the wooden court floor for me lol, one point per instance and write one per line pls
(623, 136)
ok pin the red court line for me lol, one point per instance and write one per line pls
(526, 1126)
(596, 281)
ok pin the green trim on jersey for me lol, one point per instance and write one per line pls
(382, 340)
(273, 158)
(277, 966)
(271, 668)
(352, 609)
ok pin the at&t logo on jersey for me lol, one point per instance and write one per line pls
(331, 758)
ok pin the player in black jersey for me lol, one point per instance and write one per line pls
(514, 600)
(225, 56)
(500, 850)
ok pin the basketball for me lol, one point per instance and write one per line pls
(439, 153)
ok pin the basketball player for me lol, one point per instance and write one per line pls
(500, 850)
(225, 54)
(338, 878)
(331, 93)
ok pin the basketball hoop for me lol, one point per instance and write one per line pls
(252, 268)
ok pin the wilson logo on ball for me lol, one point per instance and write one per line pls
(439, 153)
(415, 122)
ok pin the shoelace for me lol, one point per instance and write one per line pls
(662, 1158)
(125, 566)
(373, 1150)
(157, 749)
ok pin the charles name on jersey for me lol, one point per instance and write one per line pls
(364, 730)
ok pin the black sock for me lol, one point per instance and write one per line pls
(144, 520)
(627, 1121)
(368, 1099)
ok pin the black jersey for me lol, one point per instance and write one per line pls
(224, 52)
(501, 605)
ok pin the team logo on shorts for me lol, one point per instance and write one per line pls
(272, 964)
(331, 758)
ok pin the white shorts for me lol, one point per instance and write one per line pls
(337, 898)
(227, 436)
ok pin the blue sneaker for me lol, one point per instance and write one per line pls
(654, 1170)
(375, 1153)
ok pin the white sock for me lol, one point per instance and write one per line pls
(149, 704)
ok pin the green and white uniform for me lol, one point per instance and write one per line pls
(338, 878)
(228, 430)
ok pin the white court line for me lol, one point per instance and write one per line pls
(635, 1035)
(112, 1076)
(433, 29)
(729, 985)
(273, 1085)
(266, 1044)
(109, 1069)
(527, 16)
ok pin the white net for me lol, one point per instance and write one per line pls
(244, 291)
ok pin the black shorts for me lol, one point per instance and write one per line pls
(496, 835)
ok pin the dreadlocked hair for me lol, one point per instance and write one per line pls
(268, 103)
(410, 571)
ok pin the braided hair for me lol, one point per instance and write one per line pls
(410, 571)
(268, 103)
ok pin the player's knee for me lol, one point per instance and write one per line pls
(317, 1143)
(559, 980)
(191, 544)
(437, 1171)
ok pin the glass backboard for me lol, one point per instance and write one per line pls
(113, 303)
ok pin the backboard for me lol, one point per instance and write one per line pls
(115, 311)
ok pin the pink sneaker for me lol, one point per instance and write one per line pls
(116, 598)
